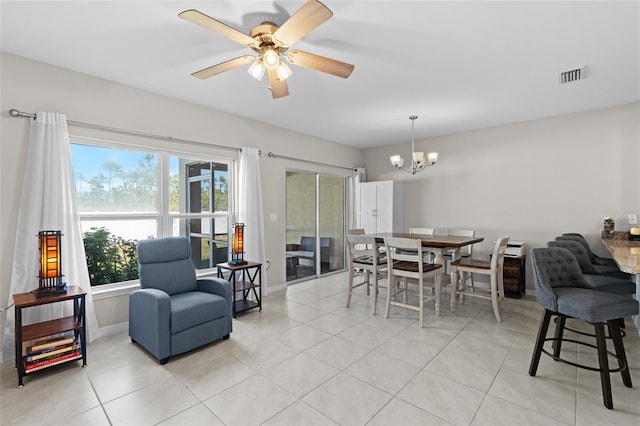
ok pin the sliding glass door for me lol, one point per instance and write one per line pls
(315, 225)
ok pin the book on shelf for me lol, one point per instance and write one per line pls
(51, 352)
(52, 361)
(58, 339)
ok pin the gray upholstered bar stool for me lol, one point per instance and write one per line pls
(596, 280)
(608, 269)
(595, 259)
(562, 291)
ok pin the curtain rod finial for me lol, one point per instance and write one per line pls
(14, 112)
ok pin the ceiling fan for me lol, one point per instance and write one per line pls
(272, 45)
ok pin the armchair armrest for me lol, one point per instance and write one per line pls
(149, 320)
(222, 288)
(217, 286)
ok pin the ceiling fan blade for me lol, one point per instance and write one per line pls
(279, 88)
(209, 23)
(320, 63)
(303, 21)
(223, 66)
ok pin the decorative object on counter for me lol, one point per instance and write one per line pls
(609, 227)
(634, 234)
(237, 245)
(418, 163)
(50, 278)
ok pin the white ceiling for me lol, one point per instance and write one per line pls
(457, 65)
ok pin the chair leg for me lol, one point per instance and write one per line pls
(351, 272)
(391, 289)
(374, 296)
(438, 287)
(494, 298)
(503, 298)
(605, 380)
(421, 302)
(557, 343)
(614, 332)
(368, 278)
(542, 334)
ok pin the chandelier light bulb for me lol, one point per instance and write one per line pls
(270, 58)
(256, 70)
(283, 71)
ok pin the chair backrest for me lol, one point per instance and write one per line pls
(165, 264)
(441, 232)
(404, 257)
(497, 256)
(308, 244)
(422, 231)
(466, 250)
(355, 231)
(554, 267)
(579, 252)
(573, 236)
(363, 249)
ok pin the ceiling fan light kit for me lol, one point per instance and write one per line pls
(272, 43)
(418, 163)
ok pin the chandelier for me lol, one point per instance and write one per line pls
(418, 162)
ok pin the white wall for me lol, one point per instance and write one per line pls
(531, 181)
(33, 86)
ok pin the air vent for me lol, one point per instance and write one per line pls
(571, 75)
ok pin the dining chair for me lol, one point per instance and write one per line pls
(493, 268)
(405, 260)
(429, 255)
(563, 292)
(466, 251)
(366, 262)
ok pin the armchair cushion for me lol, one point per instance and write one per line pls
(194, 308)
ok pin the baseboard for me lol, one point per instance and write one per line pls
(113, 329)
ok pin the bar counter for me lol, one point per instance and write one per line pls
(626, 254)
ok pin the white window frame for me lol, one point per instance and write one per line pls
(162, 216)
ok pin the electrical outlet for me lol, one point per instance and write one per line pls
(632, 219)
(273, 217)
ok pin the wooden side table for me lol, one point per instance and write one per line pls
(246, 285)
(25, 333)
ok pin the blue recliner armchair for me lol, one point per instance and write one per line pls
(173, 312)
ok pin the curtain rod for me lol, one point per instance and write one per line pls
(272, 155)
(15, 113)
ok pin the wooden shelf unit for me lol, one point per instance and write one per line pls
(25, 333)
(513, 276)
(250, 282)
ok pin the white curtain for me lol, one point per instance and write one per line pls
(250, 210)
(48, 203)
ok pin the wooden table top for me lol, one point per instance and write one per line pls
(25, 300)
(434, 241)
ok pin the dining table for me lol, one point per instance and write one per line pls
(626, 254)
(439, 245)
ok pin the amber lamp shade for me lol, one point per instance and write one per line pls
(237, 245)
(50, 278)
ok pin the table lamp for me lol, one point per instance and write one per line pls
(50, 278)
(237, 245)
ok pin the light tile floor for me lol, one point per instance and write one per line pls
(308, 360)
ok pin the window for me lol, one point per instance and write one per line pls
(126, 194)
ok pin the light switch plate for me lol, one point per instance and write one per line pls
(273, 217)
